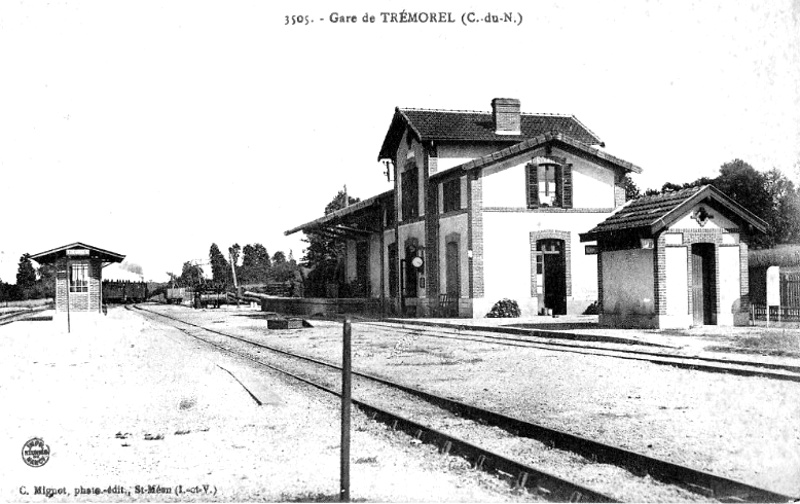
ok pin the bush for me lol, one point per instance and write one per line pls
(592, 309)
(505, 308)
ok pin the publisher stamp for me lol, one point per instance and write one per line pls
(35, 452)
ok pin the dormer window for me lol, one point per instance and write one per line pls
(548, 184)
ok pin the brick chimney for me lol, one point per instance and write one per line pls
(505, 112)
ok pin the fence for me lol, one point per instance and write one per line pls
(790, 290)
(789, 309)
(776, 313)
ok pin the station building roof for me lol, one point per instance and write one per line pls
(475, 126)
(50, 256)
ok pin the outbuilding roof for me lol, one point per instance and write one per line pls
(50, 256)
(473, 126)
(651, 214)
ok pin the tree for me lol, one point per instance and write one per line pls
(323, 253)
(26, 273)
(26, 277)
(46, 282)
(278, 258)
(785, 202)
(631, 189)
(255, 264)
(747, 186)
(174, 280)
(770, 196)
(220, 269)
(8, 292)
(191, 275)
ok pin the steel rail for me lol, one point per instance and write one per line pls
(517, 474)
(609, 352)
(17, 316)
(694, 480)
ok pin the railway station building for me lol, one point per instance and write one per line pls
(485, 206)
(79, 276)
(675, 260)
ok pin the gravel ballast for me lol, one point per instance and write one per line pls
(739, 427)
(130, 403)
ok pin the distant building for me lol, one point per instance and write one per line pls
(485, 206)
(675, 260)
(79, 276)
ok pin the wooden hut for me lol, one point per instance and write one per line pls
(79, 276)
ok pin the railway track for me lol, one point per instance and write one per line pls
(696, 363)
(440, 413)
(8, 318)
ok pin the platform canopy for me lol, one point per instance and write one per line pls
(359, 219)
(77, 250)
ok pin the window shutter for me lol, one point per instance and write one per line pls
(532, 174)
(566, 185)
(559, 202)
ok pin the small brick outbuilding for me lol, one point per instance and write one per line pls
(675, 260)
(79, 276)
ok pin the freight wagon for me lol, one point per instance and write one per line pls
(116, 291)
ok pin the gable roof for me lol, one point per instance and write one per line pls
(651, 214)
(555, 138)
(49, 256)
(473, 126)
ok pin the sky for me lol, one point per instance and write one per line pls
(156, 128)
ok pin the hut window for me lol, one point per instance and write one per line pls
(79, 277)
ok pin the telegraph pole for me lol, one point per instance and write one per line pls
(344, 488)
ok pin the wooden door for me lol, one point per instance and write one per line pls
(703, 288)
(453, 270)
(554, 275)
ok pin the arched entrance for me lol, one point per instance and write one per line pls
(551, 274)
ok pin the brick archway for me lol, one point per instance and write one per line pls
(552, 234)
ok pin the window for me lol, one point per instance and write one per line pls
(451, 195)
(410, 192)
(79, 277)
(393, 276)
(549, 185)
